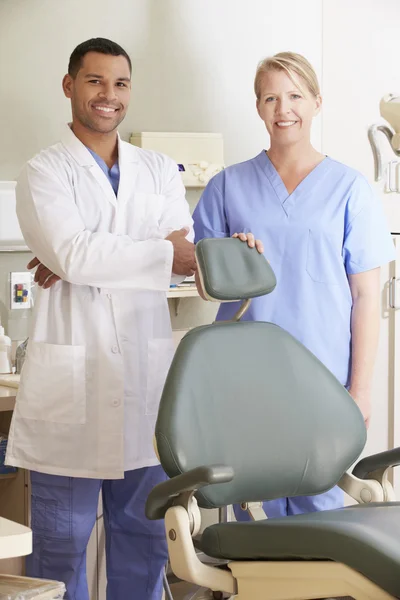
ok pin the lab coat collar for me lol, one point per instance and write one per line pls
(127, 153)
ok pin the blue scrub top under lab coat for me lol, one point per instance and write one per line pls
(112, 174)
(332, 225)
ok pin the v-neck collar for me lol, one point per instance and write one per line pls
(287, 200)
(127, 155)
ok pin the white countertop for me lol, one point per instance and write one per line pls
(15, 539)
(186, 291)
(7, 396)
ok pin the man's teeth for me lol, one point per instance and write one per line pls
(285, 123)
(105, 109)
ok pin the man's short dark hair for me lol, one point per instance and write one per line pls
(101, 45)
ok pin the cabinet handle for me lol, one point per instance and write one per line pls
(392, 293)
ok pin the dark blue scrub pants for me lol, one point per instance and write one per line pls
(64, 512)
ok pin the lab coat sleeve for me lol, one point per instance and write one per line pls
(209, 217)
(176, 213)
(54, 231)
(367, 242)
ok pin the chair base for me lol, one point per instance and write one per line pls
(302, 581)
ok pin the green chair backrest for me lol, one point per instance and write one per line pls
(250, 396)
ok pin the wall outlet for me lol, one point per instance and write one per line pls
(20, 290)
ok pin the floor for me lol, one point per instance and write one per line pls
(185, 591)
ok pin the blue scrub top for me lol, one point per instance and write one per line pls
(332, 225)
(113, 174)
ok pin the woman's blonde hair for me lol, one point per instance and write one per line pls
(293, 64)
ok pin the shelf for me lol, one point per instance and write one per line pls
(13, 248)
(183, 292)
(8, 476)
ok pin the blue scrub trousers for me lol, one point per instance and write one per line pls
(64, 512)
(284, 507)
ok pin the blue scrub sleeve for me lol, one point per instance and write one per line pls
(209, 216)
(367, 242)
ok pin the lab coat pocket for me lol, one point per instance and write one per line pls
(159, 357)
(53, 384)
(324, 257)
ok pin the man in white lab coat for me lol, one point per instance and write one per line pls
(108, 224)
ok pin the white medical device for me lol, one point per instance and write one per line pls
(10, 232)
(199, 156)
(390, 111)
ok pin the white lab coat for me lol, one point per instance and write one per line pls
(100, 344)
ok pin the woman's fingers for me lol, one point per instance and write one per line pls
(251, 241)
(260, 246)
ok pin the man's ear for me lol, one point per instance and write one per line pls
(67, 85)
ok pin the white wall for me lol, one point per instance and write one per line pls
(37, 38)
(194, 62)
(360, 65)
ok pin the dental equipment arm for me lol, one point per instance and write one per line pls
(390, 111)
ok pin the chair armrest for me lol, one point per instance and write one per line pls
(162, 497)
(377, 462)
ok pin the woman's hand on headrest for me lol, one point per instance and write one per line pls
(251, 241)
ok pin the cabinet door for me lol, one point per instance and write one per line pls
(394, 363)
(384, 430)
(382, 395)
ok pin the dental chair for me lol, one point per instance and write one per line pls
(249, 414)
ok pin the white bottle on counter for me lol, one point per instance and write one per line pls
(5, 352)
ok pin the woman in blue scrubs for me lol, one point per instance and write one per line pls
(324, 233)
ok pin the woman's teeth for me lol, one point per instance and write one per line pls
(285, 123)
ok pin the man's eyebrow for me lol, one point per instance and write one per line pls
(95, 76)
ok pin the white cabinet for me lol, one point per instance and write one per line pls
(382, 392)
(10, 232)
(394, 365)
(384, 429)
(385, 425)
(383, 433)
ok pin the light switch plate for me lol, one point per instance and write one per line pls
(20, 290)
